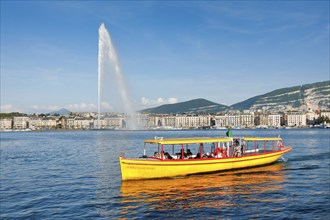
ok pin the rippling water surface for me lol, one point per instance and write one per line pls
(76, 175)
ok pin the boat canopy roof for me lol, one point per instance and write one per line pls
(160, 140)
(262, 138)
(188, 140)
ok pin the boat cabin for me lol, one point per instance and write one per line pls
(208, 147)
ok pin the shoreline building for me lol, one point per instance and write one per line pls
(296, 120)
(231, 120)
(192, 121)
(274, 120)
(6, 124)
(21, 122)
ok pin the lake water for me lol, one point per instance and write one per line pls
(76, 175)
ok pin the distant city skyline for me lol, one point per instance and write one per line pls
(169, 52)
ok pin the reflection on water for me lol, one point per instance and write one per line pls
(216, 190)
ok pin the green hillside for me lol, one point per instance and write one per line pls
(313, 96)
(192, 106)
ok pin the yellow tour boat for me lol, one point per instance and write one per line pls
(172, 157)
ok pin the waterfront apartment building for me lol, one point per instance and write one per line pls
(170, 120)
(144, 120)
(274, 120)
(109, 122)
(192, 121)
(247, 120)
(227, 120)
(42, 123)
(260, 119)
(296, 120)
(325, 114)
(6, 124)
(82, 123)
(241, 120)
(35, 123)
(69, 124)
(156, 121)
(115, 122)
(99, 124)
(312, 117)
(21, 122)
(174, 121)
(78, 123)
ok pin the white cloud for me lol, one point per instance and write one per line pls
(172, 100)
(160, 101)
(82, 107)
(44, 108)
(9, 108)
(106, 106)
(146, 102)
(85, 107)
(77, 107)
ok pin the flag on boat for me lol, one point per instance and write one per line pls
(229, 133)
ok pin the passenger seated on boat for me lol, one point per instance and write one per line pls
(235, 153)
(207, 155)
(168, 156)
(220, 152)
(189, 154)
(217, 152)
(179, 155)
(237, 150)
(242, 150)
(224, 152)
(198, 156)
(156, 154)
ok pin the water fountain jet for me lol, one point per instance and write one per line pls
(107, 56)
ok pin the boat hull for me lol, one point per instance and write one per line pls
(134, 169)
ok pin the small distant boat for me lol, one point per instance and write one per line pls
(172, 157)
(326, 126)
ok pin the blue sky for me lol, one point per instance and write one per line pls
(169, 52)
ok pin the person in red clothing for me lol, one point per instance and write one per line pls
(220, 152)
(217, 152)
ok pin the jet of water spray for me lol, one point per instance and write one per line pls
(107, 55)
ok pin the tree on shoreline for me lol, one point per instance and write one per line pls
(12, 114)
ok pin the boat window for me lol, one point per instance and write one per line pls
(260, 146)
(269, 146)
(212, 147)
(252, 147)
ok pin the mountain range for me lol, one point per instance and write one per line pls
(308, 96)
(62, 111)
